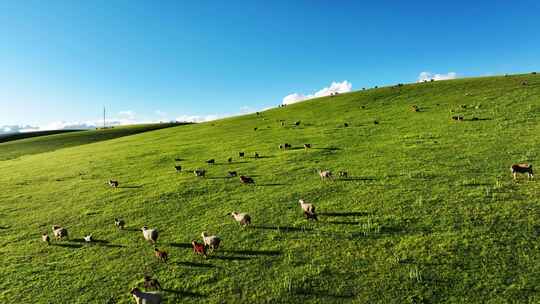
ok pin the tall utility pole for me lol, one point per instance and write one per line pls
(103, 117)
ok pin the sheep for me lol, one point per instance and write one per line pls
(258, 113)
(211, 161)
(229, 160)
(177, 159)
(232, 173)
(415, 108)
(198, 248)
(524, 83)
(457, 118)
(150, 235)
(297, 123)
(243, 218)
(285, 146)
(307, 146)
(45, 238)
(522, 168)
(200, 173)
(241, 154)
(119, 223)
(345, 125)
(282, 124)
(256, 155)
(88, 238)
(178, 168)
(533, 73)
(145, 297)
(211, 241)
(59, 232)
(161, 255)
(255, 129)
(307, 207)
(375, 122)
(281, 147)
(150, 283)
(113, 183)
(246, 180)
(325, 174)
(343, 174)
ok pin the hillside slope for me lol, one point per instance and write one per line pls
(428, 214)
(40, 142)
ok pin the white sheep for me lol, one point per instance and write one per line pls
(59, 232)
(211, 241)
(150, 235)
(307, 207)
(145, 297)
(88, 238)
(242, 218)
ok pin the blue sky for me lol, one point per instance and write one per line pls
(65, 60)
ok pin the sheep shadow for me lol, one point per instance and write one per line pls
(130, 187)
(338, 214)
(193, 264)
(282, 228)
(236, 162)
(132, 229)
(4, 227)
(343, 222)
(184, 293)
(219, 177)
(255, 252)
(181, 245)
(93, 241)
(263, 156)
(328, 149)
(228, 258)
(72, 246)
(350, 179)
(270, 185)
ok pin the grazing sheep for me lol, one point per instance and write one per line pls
(297, 123)
(212, 241)
(246, 180)
(256, 155)
(119, 223)
(113, 183)
(282, 124)
(415, 108)
(200, 173)
(178, 168)
(281, 147)
(307, 146)
(345, 125)
(45, 238)
(325, 174)
(211, 161)
(522, 168)
(258, 113)
(229, 160)
(375, 122)
(150, 235)
(457, 118)
(307, 207)
(241, 154)
(232, 173)
(150, 283)
(198, 248)
(255, 129)
(59, 232)
(145, 297)
(343, 174)
(88, 238)
(161, 255)
(285, 146)
(242, 218)
(534, 73)
(474, 118)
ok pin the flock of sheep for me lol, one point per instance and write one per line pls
(211, 243)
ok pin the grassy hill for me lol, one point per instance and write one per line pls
(429, 213)
(20, 144)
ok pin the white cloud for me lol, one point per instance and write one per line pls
(427, 76)
(127, 114)
(335, 87)
(199, 118)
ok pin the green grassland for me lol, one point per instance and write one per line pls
(21, 144)
(429, 213)
(22, 135)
